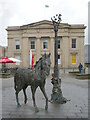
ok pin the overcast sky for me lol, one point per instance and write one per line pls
(21, 12)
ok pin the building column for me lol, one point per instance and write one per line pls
(81, 49)
(65, 50)
(52, 51)
(38, 48)
(25, 55)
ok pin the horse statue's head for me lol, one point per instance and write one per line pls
(43, 65)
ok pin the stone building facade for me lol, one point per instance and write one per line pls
(2, 49)
(3, 53)
(39, 37)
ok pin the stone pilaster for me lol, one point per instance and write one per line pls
(38, 48)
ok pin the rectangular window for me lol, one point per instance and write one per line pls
(73, 43)
(74, 59)
(58, 56)
(17, 57)
(58, 44)
(59, 59)
(17, 44)
(45, 44)
(32, 44)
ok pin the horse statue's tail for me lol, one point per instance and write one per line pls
(15, 80)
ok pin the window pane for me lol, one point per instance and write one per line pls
(73, 58)
(32, 44)
(58, 56)
(17, 44)
(73, 61)
(17, 57)
(58, 44)
(73, 43)
(45, 44)
(59, 60)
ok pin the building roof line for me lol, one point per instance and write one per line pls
(32, 25)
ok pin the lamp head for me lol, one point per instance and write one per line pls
(56, 19)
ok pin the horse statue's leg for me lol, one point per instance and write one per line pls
(45, 95)
(33, 89)
(17, 100)
(25, 96)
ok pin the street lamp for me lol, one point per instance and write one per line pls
(56, 95)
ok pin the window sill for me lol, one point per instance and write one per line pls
(43, 50)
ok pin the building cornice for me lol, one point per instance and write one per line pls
(45, 24)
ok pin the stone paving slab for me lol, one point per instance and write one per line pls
(73, 89)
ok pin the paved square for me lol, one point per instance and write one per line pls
(73, 89)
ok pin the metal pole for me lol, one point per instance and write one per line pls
(56, 73)
(56, 95)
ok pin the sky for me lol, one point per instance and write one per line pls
(22, 12)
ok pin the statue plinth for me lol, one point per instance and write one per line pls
(56, 95)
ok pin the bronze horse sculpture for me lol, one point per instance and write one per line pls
(34, 77)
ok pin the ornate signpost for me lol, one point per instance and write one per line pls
(56, 95)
